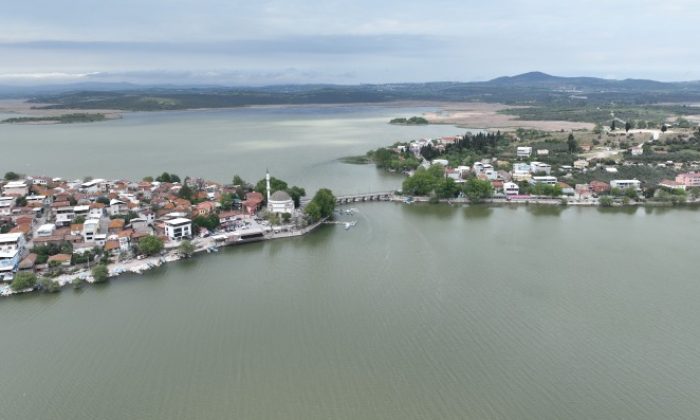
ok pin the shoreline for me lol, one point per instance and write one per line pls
(205, 245)
(138, 267)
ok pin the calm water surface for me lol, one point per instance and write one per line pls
(298, 144)
(418, 312)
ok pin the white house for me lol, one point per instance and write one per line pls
(485, 169)
(94, 186)
(542, 152)
(540, 168)
(548, 180)
(65, 215)
(117, 207)
(524, 151)
(12, 242)
(45, 230)
(624, 184)
(91, 227)
(443, 162)
(6, 205)
(511, 188)
(179, 228)
(12, 247)
(40, 199)
(280, 202)
(581, 164)
(16, 188)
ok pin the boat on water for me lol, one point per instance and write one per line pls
(408, 200)
(348, 225)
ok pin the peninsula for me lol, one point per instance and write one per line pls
(55, 232)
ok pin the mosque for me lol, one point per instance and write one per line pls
(279, 201)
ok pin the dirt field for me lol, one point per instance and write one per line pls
(483, 115)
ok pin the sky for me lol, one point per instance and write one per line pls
(266, 42)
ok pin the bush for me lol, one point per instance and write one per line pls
(23, 281)
(100, 273)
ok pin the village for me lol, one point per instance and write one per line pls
(61, 230)
(450, 168)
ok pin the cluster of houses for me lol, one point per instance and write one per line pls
(111, 215)
(534, 172)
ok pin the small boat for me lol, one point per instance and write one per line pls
(408, 200)
(348, 225)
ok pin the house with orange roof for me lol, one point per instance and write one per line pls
(204, 208)
(116, 225)
(253, 202)
(59, 259)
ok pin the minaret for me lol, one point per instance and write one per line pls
(267, 179)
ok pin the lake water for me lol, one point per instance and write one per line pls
(418, 312)
(299, 144)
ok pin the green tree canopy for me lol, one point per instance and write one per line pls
(23, 281)
(478, 189)
(313, 211)
(322, 205)
(572, 144)
(150, 245)
(11, 176)
(100, 273)
(186, 248)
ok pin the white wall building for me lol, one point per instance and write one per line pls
(65, 215)
(91, 227)
(45, 230)
(6, 205)
(511, 188)
(548, 180)
(524, 151)
(16, 188)
(280, 202)
(179, 228)
(624, 184)
(540, 168)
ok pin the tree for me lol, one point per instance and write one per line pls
(605, 201)
(209, 222)
(147, 179)
(478, 189)
(48, 285)
(150, 245)
(185, 192)
(11, 176)
(325, 200)
(237, 180)
(100, 273)
(447, 188)
(166, 177)
(664, 127)
(102, 199)
(296, 193)
(275, 185)
(612, 125)
(313, 211)
(21, 201)
(186, 248)
(23, 281)
(423, 182)
(631, 193)
(628, 126)
(572, 144)
(226, 201)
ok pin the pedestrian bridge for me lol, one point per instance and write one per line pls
(371, 196)
(359, 197)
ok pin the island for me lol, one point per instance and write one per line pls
(409, 121)
(81, 117)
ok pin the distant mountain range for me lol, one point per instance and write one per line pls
(527, 88)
